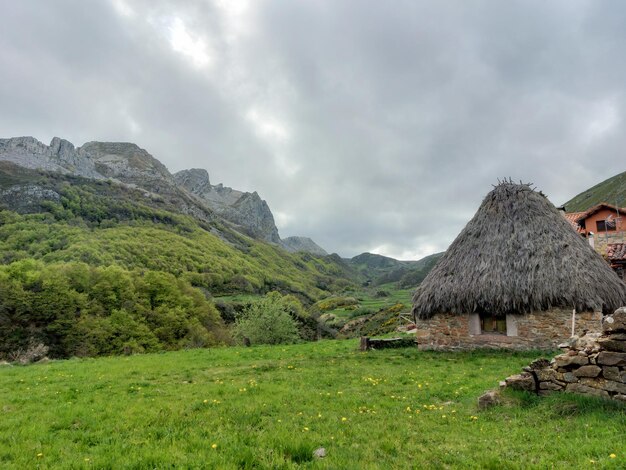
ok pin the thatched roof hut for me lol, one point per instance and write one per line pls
(518, 255)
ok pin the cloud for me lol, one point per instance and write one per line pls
(364, 125)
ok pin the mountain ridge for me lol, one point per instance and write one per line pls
(130, 164)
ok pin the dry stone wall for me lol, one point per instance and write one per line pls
(593, 364)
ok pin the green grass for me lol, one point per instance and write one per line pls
(271, 407)
(368, 300)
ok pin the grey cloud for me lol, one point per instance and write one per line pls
(398, 116)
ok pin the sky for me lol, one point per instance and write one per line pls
(366, 125)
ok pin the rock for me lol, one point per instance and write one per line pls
(569, 377)
(539, 364)
(612, 373)
(490, 398)
(246, 210)
(4, 364)
(609, 358)
(570, 361)
(608, 385)
(616, 322)
(620, 397)
(609, 344)
(584, 389)
(616, 336)
(550, 386)
(587, 371)
(523, 381)
(319, 453)
(546, 375)
(604, 384)
(587, 341)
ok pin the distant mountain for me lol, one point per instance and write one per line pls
(303, 244)
(378, 269)
(611, 191)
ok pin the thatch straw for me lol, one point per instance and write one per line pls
(517, 255)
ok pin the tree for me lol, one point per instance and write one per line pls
(267, 321)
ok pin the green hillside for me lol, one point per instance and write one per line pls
(104, 270)
(612, 191)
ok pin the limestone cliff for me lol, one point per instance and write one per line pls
(246, 210)
(190, 190)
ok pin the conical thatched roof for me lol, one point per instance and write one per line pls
(518, 254)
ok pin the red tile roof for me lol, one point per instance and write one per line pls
(573, 218)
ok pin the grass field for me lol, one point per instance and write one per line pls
(271, 407)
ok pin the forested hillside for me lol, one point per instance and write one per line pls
(102, 268)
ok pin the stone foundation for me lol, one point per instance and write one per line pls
(537, 330)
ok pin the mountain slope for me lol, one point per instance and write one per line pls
(378, 269)
(91, 266)
(129, 164)
(612, 191)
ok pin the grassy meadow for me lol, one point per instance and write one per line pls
(273, 406)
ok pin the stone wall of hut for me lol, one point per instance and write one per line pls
(539, 330)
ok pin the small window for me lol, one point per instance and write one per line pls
(606, 225)
(492, 324)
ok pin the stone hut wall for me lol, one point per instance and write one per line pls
(593, 364)
(537, 330)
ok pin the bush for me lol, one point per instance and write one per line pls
(33, 353)
(267, 321)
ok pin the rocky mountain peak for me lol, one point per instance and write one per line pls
(295, 244)
(195, 180)
(128, 163)
(124, 160)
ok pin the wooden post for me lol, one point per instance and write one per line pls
(365, 343)
(573, 322)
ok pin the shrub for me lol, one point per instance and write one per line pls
(267, 321)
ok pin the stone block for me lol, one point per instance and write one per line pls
(620, 397)
(565, 361)
(546, 375)
(490, 398)
(615, 336)
(539, 364)
(523, 381)
(587, 371)
(610, 358)
(608, 385)
(569, 377)
(612, 373)
(550, 386)
(609, 344)
(615, 323)
(584, 389)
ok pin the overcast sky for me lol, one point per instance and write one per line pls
(366, 125)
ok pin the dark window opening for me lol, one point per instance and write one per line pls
(605, 225)
(493, 324)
